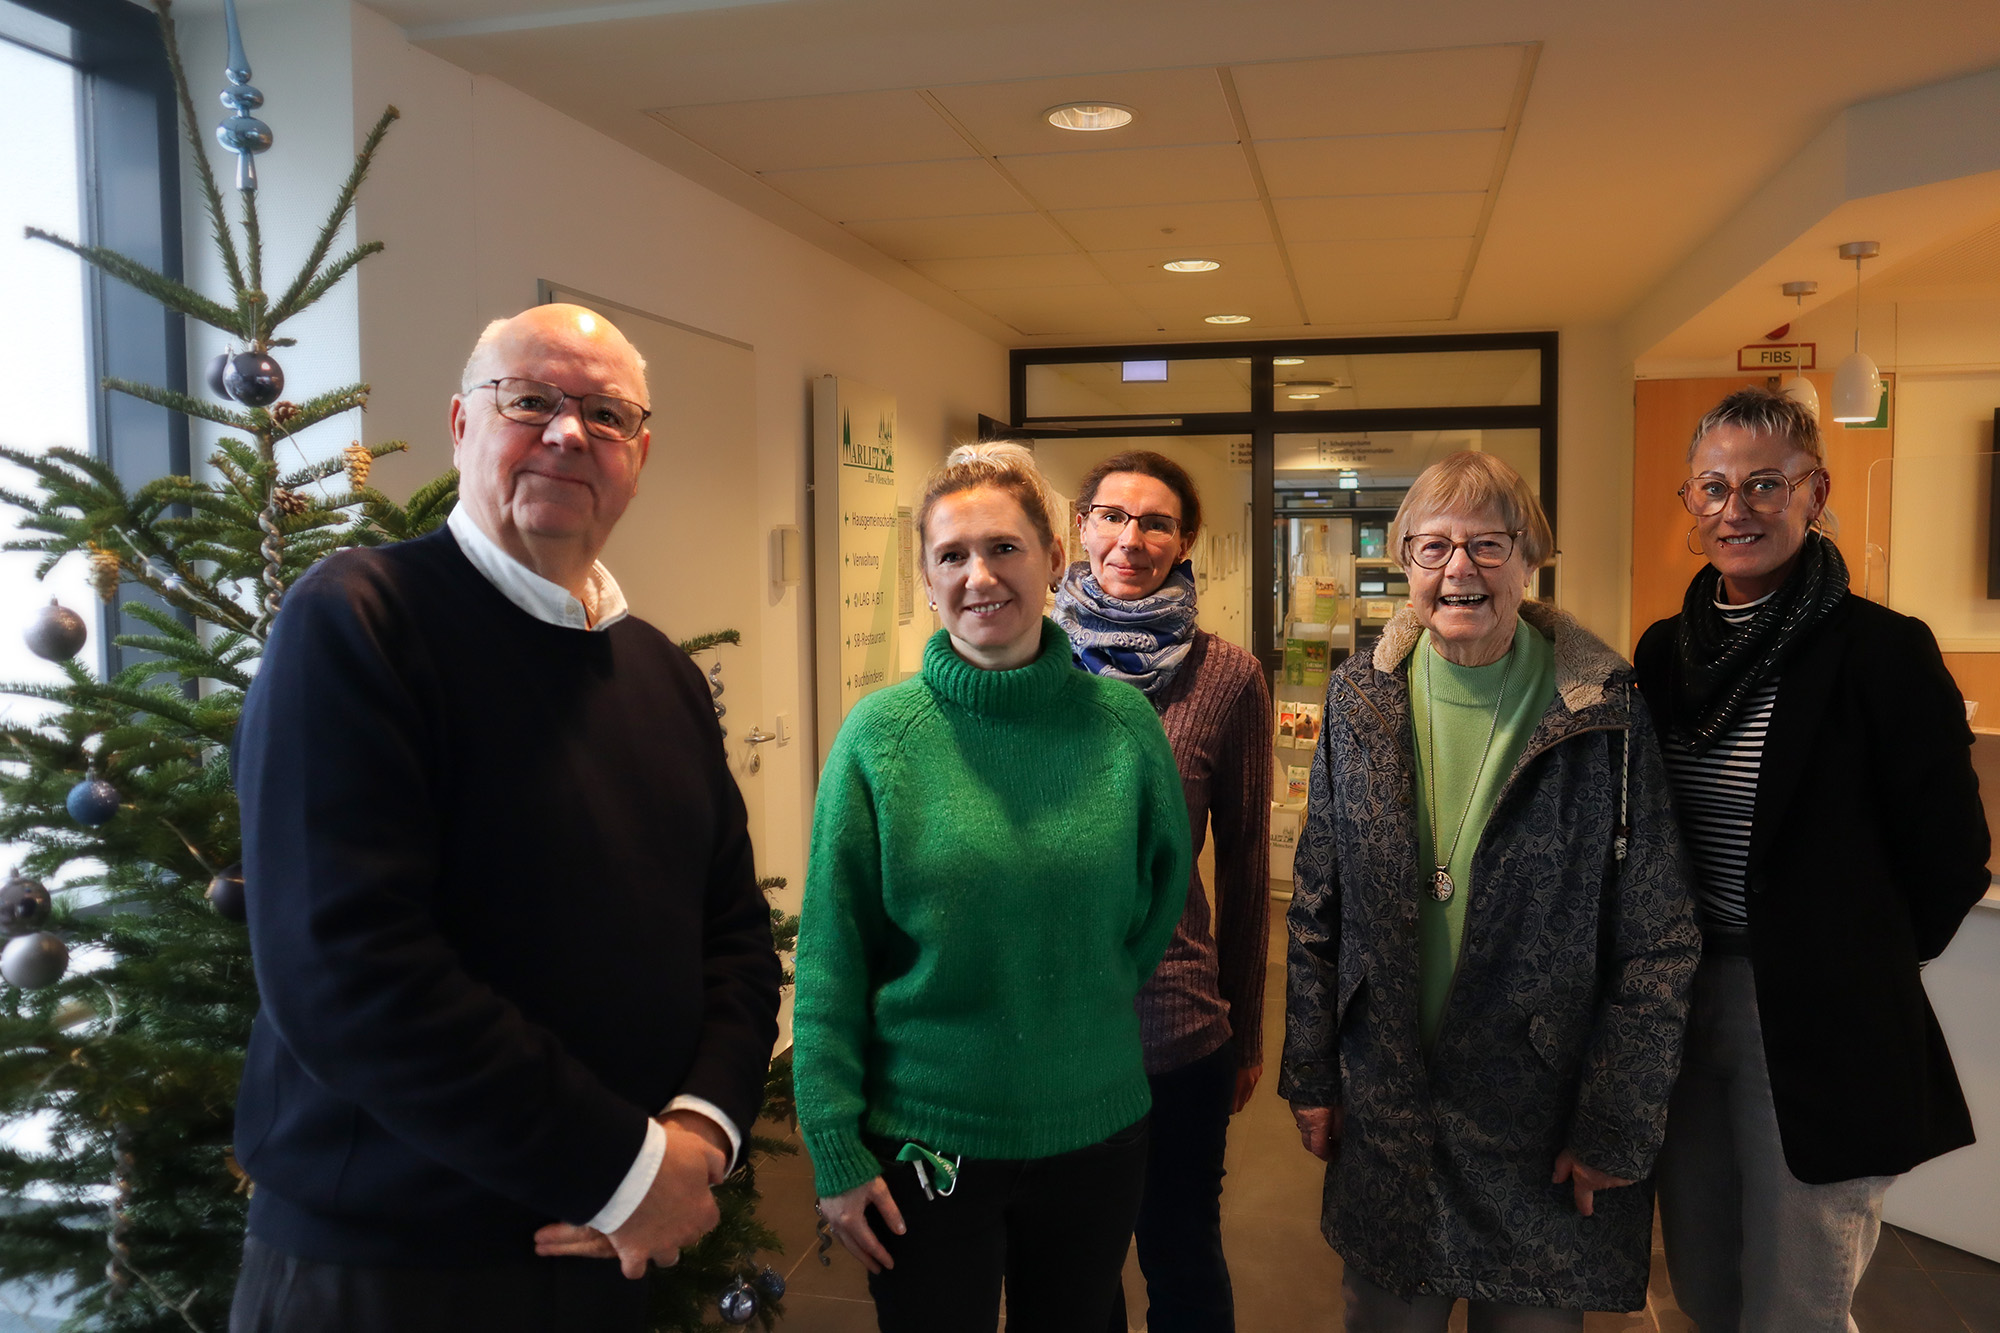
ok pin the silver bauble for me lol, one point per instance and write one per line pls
(738, 1304)
(24, 904)
(34, 961)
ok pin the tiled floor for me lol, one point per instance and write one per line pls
(1287, 1279)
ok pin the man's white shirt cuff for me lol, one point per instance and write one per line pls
(626, 1199)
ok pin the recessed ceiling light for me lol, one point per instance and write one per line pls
(1089, 116)
(1192, 265)
(1225, 319)
(1301, 397)
(1288, 361)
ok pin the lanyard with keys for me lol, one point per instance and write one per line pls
(945, 1171)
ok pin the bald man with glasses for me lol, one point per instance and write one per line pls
(519, 992)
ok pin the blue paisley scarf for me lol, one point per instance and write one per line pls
(1141, 642)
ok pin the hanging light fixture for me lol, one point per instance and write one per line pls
(1857, 385)
(1796, 386)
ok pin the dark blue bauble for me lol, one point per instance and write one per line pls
(57, 633)
(738, 1304)
(225, 893)
(24, 904)
(770, 1282)
(218, 367)
(92, 802)
(254, 379)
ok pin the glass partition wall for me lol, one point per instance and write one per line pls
(1302, 450)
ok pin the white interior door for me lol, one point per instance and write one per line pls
(688, 552)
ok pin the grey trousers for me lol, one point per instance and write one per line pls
(1373, 1309)
(1749, 1245)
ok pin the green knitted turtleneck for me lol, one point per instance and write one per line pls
(998, 861)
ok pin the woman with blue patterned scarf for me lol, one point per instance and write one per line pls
(1129, 611)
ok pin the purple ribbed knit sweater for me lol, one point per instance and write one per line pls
(1210, 985)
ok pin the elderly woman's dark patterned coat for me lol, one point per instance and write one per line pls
(1563, 1028)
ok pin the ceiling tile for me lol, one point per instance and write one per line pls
(1136, 176)
(963, 238)
(1406, 255)
(1170, 106)
(791, 133)
(1269, 305)
(1380, 164)
(1387, 285)
(1240, 263)
(1469, 88)
(1064, 270)
(905, 190)
(1379, 216)
(1062, 310)
(1232, 222)
(1378, 310)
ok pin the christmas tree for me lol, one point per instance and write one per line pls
(130, 989)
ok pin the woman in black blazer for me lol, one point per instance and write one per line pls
(1821, 767)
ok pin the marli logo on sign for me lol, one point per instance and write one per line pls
(1776, 356)
(877, 457)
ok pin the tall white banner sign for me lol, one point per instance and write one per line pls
(854, 519)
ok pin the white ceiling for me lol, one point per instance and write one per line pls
(1356, 166)
(1304, 179)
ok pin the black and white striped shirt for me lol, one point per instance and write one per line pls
(1717, 796)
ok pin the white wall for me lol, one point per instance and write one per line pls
(1594, 482)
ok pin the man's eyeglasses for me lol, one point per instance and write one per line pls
(533, 403)
(1433, 550)
(1110, 521)
(1763, 492)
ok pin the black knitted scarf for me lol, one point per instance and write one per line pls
(1718, 665)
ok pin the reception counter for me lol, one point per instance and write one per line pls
(1956, 1198)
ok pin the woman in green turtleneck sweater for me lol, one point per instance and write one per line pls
(1000, 852)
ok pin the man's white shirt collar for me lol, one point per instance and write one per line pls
(603, 605)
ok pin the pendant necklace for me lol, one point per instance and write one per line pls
(1441, 885)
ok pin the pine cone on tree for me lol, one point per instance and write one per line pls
(103, 572)
(289, 503)
(359, 462)
(284, 413)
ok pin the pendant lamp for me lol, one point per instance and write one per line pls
(1796, 386)
(1857, 385)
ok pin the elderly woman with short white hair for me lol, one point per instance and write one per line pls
(1491, 941)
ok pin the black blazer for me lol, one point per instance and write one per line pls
(1867, 848)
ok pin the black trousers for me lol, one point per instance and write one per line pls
(278, 1293)
(1180, 1219)
(1053, 1230)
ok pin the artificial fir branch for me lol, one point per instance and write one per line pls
(701, 643)
(175, 295)
(175, 401)
(296, 296)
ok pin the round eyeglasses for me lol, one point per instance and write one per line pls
(1763, 492)
(1433, 550)
(1110, 521)
(533, 403)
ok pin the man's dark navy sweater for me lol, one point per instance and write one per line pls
(502, 908)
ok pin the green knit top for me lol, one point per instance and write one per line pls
(998, 860)
(1452, 709)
